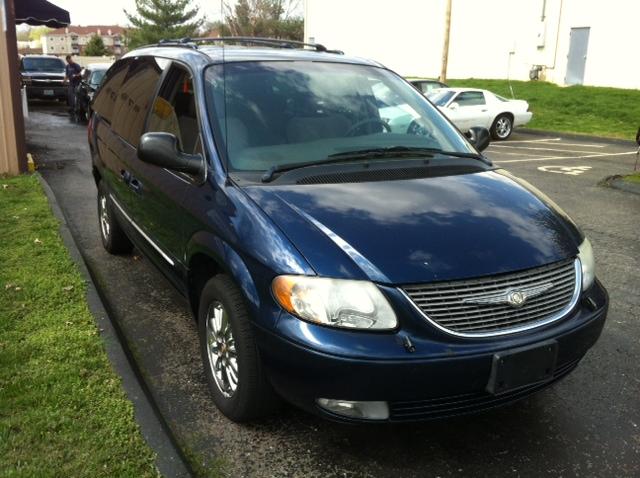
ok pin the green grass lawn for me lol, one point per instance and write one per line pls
(610, 112)
(63, 412)
(632, 178)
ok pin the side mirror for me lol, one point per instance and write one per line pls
(479, 137)
(454, 106)
(161, 149)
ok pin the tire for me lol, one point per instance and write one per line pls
(114, 240)
(227, 345)
(502, 127)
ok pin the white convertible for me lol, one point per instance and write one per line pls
(467, 107)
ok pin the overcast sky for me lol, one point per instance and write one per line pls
(110, 12)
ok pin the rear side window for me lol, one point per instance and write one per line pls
(134, 98)
(470, 98)
(105, 100)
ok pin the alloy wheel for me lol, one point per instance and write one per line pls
(503, 127)
(221, 349)
(105, 225)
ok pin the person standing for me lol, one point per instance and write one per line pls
(72, 75)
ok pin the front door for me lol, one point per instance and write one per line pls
(159, 202)
(577, 57)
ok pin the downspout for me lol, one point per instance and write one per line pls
(555, 53)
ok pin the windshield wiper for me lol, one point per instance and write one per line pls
(372, 153)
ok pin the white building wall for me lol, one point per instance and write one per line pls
(489, 38)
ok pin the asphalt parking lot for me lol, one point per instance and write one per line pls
(586, 425)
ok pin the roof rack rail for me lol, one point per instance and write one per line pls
(272, 42)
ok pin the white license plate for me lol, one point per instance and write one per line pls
(48, 92)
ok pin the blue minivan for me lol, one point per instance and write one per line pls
(342, 246)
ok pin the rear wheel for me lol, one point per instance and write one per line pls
(229, 352)
(114, 240)
(502, 127)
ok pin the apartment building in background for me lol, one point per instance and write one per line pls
(73, 39)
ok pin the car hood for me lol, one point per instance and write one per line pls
(421, 230)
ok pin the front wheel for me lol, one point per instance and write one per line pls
(502, 127)
(114, 240)
(230, 356)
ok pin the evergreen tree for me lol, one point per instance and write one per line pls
(161, 19)
(95, 47)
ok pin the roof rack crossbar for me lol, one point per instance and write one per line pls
(272, 42)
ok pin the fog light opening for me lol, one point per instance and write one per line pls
(355, 409)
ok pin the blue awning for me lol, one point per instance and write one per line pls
(41, 12)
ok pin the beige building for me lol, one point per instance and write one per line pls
(73, 39)
(587, 42)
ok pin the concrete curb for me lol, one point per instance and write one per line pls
(169, 460)
(599, 139)
(617, 182)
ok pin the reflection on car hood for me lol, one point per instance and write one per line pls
(420, 230)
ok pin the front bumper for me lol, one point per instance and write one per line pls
(46, 92)
(440, 380)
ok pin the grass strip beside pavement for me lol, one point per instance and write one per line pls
(632, 178)
(62, 408)
(606, 112)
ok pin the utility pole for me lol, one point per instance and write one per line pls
(445, 46)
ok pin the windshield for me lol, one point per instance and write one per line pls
(43, 64)
(96, 77)
(441, 98)
(272, 114)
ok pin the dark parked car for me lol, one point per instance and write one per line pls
(91, 79)
(362, 269)
(426, 85)
(43, 77)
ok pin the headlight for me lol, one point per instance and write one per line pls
(336, 302)
(585, 254)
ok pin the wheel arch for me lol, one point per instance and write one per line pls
(207, 256)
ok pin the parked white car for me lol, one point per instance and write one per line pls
(468, 107)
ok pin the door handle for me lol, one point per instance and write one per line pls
(484, 111)
(125, 175)
(135, 185)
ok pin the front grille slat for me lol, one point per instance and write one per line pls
(443, 303)
(498, 309)
(455, 292)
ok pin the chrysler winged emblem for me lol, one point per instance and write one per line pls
(516, 297)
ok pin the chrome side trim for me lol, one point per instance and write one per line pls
(577, 266)
(142, 233)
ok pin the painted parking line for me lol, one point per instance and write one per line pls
(549, 158)
(546, 140)
(544, 149)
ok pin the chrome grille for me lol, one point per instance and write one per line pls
(479, 307)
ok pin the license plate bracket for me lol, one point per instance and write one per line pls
(523, 366)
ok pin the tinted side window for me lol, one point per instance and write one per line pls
(470, 98)
(105, 100)
(134, 98)
(174, 110)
